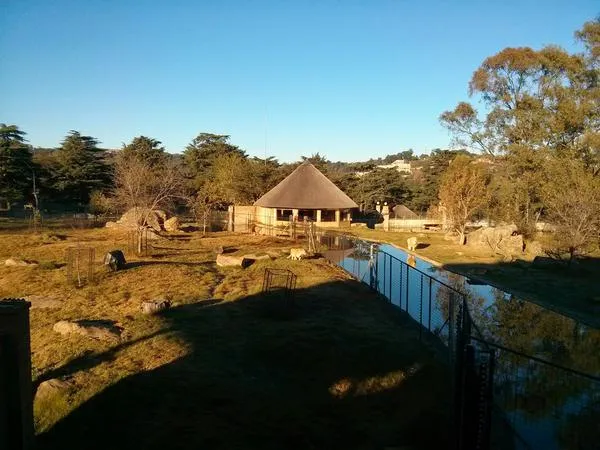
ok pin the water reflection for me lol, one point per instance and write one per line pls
(549, 407)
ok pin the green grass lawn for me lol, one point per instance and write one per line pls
(226, 366)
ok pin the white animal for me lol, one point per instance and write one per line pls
(412, 243)
(297, 253)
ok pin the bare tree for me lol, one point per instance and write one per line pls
(463, 192)
(145, 185)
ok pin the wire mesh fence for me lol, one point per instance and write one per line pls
(80, 265)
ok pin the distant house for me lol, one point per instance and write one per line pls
(400, 165)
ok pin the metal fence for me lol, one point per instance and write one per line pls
(503, 397)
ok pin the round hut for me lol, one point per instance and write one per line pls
(305, 194)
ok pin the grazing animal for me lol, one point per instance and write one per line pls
(412, 243)
(297, 253)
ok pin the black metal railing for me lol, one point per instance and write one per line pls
(503, 397)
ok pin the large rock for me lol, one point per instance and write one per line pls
(101, 330)
(18, 262)
(137, 217)
(534, 248)
(502, 240)
(224, 260)
(172, 224)
(52, 387)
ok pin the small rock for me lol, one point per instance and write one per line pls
(172, 224)
(459, 253)
(17, 262)
(96, 329)
(112, 225)
(154, 306)
(219, 250)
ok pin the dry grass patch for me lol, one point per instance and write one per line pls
(214, 371)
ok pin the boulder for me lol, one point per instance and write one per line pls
(153, 221)
(18, 262)
(153, 235)
(51, 387)
(232, 261)
(154, 306)
(43, 302)
(257, 257)
(172, 224)
(137, 216)
(162, 216)
(534, 248)
(503, 240)
(101, 330)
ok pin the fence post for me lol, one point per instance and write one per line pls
(16, 399)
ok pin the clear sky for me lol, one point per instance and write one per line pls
(349, 79)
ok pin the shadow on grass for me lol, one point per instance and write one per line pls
(573, 291)
(133, 265)
(336, 368)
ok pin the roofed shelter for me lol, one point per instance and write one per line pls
(305, 194)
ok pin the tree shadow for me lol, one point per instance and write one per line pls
(330, 369)
(573, 291)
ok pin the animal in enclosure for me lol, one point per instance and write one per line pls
(297, 254)
(412, 243)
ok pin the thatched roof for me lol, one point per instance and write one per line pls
(402, 212)
(306, 188)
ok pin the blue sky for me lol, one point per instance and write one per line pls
(349, 79)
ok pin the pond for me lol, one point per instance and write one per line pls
(547, 366)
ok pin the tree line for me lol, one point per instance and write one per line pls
(531, 152)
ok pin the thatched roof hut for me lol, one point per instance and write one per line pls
(307, 194)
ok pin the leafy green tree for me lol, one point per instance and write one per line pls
(146, 148)
(317, 160)
(78, 168)
(15, 164)
(380, 185)
(200, 154)
(543, 101)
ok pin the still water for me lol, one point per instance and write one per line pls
(547, 368)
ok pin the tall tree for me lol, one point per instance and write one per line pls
(463, 192)
(200, 154)
(146, 148)
(15, 164)
(79, 167)
(545, 101)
